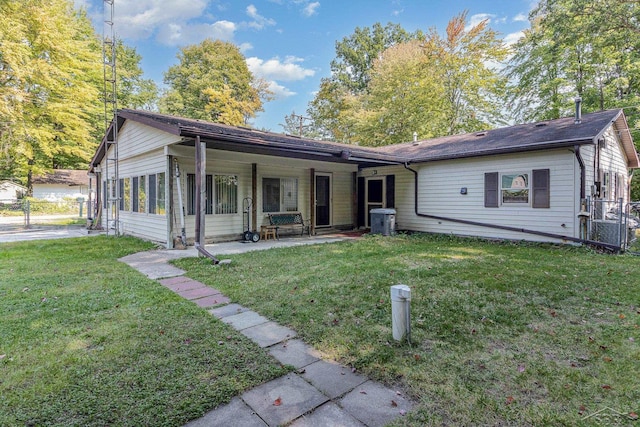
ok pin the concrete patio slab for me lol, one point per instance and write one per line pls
(235, 414)
(244, 320)
(228, 310)
(331, 378)
(284, 399)
(328, 415)
(192, 294)
(268, 334)
(295, 353)
(374, 404)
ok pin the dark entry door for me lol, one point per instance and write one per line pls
(375, 196)
(323, 200)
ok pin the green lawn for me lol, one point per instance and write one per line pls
(87, 341)
(503, 333)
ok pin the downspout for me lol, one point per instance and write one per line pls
(500, 227)
(583, 184)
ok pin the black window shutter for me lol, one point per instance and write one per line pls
(361, 208)
(491, 190)
(391, 191)
(541, 188)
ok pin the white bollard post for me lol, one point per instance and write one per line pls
(401, 312)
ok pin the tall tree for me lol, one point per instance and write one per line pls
(350, 76)
(134, 91)
(212, 82)
(431, 85)
(404, 96)
(49, 99)
(465, 63)
(577, 48)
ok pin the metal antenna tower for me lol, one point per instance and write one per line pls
(111, 192)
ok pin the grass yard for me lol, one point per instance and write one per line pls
(87, 341)
(503, 333)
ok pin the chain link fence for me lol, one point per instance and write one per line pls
(613, 222)
(29, 212)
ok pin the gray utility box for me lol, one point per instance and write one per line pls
(383, 221)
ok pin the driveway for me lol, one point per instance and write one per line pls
(18, 234)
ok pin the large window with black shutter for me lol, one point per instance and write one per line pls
(540, 186)
(528, 188)
(491, 190)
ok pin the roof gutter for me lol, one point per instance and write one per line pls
(501, 227)
(337, 152)
(563, 143)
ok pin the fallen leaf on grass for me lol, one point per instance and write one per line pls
(607, 359)
(2, 356)
(521, 368)
(606, 387)
(581, 410)
(633, 415)
(622, 316)
(510, 400)
(416, 356)
(553, 313)
(277, 402)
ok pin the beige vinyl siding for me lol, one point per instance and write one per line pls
(613, 161)
(439, 195)
(148, 226)
(137, 139)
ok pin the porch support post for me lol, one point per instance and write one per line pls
(312, 200)
(169, 209)
(200, 190)
(354, 199)
(254, 195)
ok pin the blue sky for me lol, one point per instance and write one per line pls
(289, 43)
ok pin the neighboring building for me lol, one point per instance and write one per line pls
(534, 182)
(10, 191)
(60, 184)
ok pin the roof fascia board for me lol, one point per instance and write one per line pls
(165, 127)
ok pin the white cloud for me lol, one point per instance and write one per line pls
(521, 17)
(141, 18)
(244, 47)
(259, 21)
(311, 8)
(478, 18)
(280, 91)
(512, 38)
(397, 12)
(274, 69)
(175, 34)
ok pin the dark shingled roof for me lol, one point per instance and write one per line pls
(515, 139)
(234, 138)
(68, 177)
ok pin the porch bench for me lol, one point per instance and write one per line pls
(291, 220)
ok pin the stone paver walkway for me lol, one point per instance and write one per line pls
(320, 393)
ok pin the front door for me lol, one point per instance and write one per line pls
(323, 200)
(375, 196)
